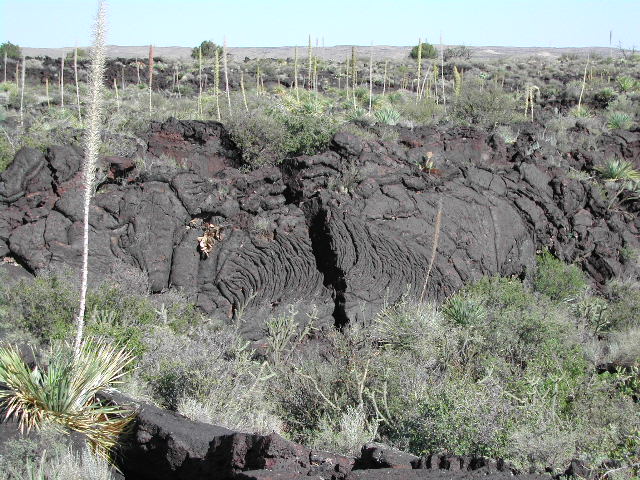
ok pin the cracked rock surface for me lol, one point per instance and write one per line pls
(337, 233)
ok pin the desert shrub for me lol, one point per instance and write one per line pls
(7, 152)
(428, 51)
(484, 103)
(558, 132)
(624, 103)
(208, 374)
(432, 382)
(557, 280)
(425, 112)
(276, 128)
(604, 97)
(12, 51)
(623, 348)
(260, 136)
(519, 326)
(460, 52)
(507, 134)
(46, 306)
(456, 415)
(308, 133)
(324, 392)
(345, 433)
(624, 305)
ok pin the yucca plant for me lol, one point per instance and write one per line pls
(464, 311)
(92, 145)
(580, 111)
(387, 115)
(63, 393)
(619, 120)
(616, 170)
(627, 84)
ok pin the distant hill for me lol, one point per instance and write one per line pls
(339, 52)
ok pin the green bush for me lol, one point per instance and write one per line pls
(7, 152)
(261, 137)
(425, 112)
(208, 49)
(45, 307)
(557, 280)
(428, 51)
(624, 305)
(12, 51)
(484, 103)
(275, 128)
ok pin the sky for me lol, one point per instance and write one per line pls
(262, 23)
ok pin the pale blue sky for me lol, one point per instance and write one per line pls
(544, 23)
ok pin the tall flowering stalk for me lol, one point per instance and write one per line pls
(91, 151)
(24, 69)
(150, 75)
(216, 83)
(226, 72)
(75, 73)
(62, 81)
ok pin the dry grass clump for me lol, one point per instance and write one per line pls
(210, 375)
(49, 455)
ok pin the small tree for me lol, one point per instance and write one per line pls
(428, 51)
(208, 49)
(12, 51)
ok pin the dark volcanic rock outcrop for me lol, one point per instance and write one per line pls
(338, 233)
(163, 445)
